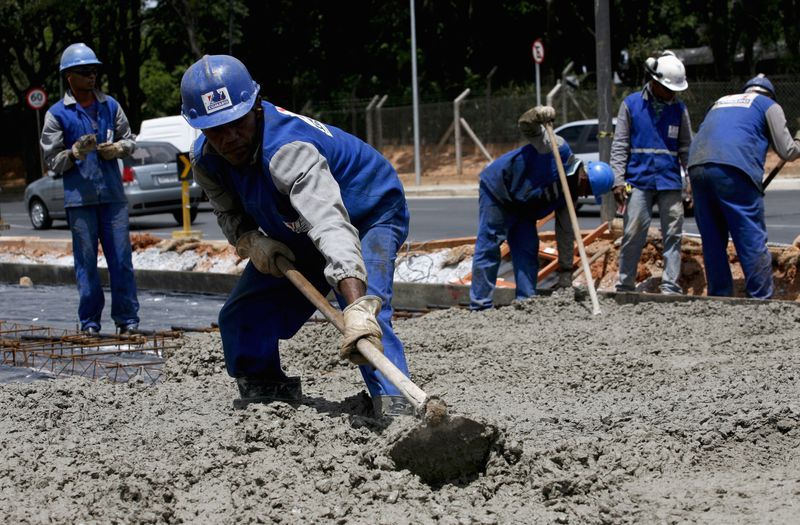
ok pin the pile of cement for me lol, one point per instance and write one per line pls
(677, 412)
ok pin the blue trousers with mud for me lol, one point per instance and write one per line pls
(107, 223)
(263, 309)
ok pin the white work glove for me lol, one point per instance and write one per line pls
(111, 150)
(360, 321)
(262, 252)
(83, 146)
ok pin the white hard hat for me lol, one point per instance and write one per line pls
(668, 71)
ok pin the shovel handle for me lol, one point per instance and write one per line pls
(375, 357)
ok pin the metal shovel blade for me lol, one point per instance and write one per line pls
(453, 451)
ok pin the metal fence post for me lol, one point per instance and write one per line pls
(379, 123)
(457, 127)
(370, 108)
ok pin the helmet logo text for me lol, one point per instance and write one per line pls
(216, 100)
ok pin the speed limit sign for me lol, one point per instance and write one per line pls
(537, 50)
(36, 98)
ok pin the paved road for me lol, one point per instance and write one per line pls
(431, 218)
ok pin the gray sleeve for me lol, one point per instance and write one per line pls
(231, 216)
(785, 146)
(300, 171)
(122, 132)
(621, 146)
(56, 155)
(684, 138)
(565, 241)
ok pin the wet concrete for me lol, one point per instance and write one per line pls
(652, 412)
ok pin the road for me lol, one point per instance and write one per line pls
(431, 218)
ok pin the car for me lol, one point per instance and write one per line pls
(581, 135)
(149, 177)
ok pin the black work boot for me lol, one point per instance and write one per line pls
(258, 390)
(392, 406)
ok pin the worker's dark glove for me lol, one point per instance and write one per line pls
(111, 150)
(262, 252)
(620, 195)
(83, 146)
(360, 321)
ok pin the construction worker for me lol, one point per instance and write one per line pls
(83, 136)
(726, 166)
(514, 192)
(651, 142)
(285, 184)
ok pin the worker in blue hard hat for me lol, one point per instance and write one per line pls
(515, 191)
(83, 136)
(283, 183)
(726, 166)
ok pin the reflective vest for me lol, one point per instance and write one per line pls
(653, 162)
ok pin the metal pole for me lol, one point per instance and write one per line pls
(415, 95)
(370, 107)
(476, 140)
(379, 123)
(605, 131)
(38, 135)
(457, 127)
(538, 87)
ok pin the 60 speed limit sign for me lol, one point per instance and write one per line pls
(36, 98)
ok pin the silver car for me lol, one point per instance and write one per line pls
(150, 179)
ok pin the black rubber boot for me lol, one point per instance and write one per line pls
(392, 406)
(257, 390)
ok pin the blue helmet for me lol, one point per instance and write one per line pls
(78, 55)
(215, 90)
(601, 178)
(761, 85)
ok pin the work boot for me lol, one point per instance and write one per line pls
(91, 331)
(392, 406)
(258, 390)
(125, 329)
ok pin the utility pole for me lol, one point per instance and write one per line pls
(602, 31)
(415, 96)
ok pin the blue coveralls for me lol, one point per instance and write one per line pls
(726, 165)
(97, 208)
(515, 191)
(263, 309)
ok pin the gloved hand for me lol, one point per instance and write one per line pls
(111, 150)
(83, 146)
(360, 321)
(262, 251)
(620, 195)
(544, 114)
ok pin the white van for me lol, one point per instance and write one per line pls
(174, 130)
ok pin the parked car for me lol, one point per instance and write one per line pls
(150, 179)
(581, 135)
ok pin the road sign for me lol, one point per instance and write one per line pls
(537, 50)
(184, 166)
(36, 98)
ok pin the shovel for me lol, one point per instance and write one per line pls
(443, 448)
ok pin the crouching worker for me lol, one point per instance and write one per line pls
(284, 184)
(515, 191)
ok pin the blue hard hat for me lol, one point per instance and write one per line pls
(215, 90)
(601, 178)
(760, 84)
(78, 55)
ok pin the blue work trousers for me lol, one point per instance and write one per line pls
(636, 222)
(107, 223)
(726, 201)
(497, 223)
(263, 309)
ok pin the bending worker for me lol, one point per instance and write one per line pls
(514, 192)
(726, 165)
(285, 184)
(83, 136)
(651, 141)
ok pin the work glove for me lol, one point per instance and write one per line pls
(620, 196)
(360, 321)
(262, 252)
(83, 146)
(111, 150)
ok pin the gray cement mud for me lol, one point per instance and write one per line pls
(686, 412)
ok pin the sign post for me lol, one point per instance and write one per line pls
(36, 98)
(184, 170)
(537, 51)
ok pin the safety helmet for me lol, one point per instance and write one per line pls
(78, 55)
(601, 178)
(215, 90)
(760, 84)
(668, 71)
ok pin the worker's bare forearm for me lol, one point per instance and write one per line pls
(352, 288)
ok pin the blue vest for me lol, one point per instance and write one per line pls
(735, 133)
(525, 179)
(368, 184)
(653, 162)
(93, 180)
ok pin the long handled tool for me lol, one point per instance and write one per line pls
(576, 228)
(445, 447)
(772, 174)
